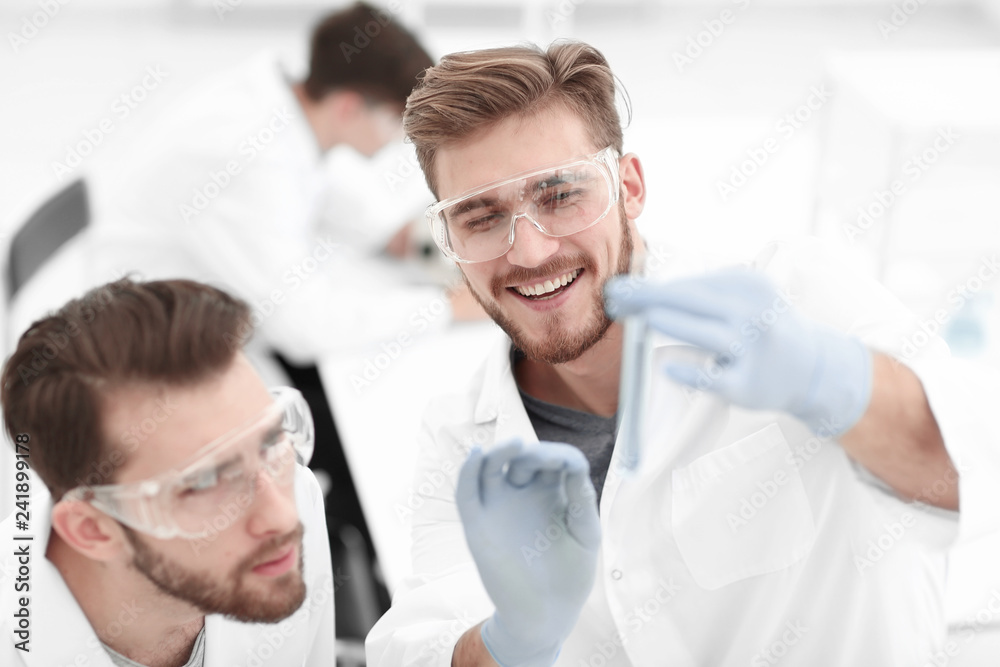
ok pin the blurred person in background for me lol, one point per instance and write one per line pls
(177, 525)
(229, 186)
(799, 485)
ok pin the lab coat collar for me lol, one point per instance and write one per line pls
(275, 74)
(499, 399)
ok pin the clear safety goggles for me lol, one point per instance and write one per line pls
(211, 489)
(559, 200)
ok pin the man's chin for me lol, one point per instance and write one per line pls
(286, 597)
(558, 347)
(269, 600)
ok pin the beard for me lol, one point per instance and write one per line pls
(228, 597)
(560, 341)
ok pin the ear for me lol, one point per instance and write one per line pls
(88, 531)
(633, 185)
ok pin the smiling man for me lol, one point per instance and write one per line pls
(799, 487)
(179, 526)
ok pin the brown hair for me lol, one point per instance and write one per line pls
(175, 332)
(364, 49)
(470, 91)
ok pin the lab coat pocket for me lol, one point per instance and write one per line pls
(741, 511)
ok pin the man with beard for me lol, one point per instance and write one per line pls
(798, 488)
(179, 526)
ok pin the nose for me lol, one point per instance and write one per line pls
(273, 510)
(531, 246)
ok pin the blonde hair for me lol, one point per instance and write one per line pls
(470, 91)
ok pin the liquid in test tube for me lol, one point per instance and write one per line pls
(633, 391)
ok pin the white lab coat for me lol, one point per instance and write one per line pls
(828, 567)
(61, 636)
(228, 186)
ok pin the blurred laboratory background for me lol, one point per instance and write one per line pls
(872, 123)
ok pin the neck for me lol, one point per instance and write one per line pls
(126, 611)
(588, 383)
(312, 110)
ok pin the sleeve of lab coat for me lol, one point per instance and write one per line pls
(321, 652)
(963, 398)
(444, 596)
(310, 294)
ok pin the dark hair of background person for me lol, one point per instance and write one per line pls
(365, 49)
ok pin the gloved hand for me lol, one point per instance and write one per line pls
(530, 520)
(766, 355)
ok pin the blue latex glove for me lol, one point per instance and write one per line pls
(530, 520)
(767, 356)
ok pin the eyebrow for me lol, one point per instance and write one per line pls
(270, 434)
(552, 179)
(472, 204)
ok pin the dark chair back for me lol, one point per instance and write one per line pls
(58, 220)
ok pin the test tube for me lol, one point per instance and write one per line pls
(633, 390)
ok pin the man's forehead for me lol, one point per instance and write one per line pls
(515, 145)
(158, 427)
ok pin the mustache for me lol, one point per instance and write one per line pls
(520, 275)
(270, 547)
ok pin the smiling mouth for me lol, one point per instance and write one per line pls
(547, 289)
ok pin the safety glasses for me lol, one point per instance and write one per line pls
(210, 491)
(558, 200)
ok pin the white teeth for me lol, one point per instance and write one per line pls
(549, 285)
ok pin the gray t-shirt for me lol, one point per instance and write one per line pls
(592, 434)
(197, 658)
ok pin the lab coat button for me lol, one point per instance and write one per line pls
(616, 574)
